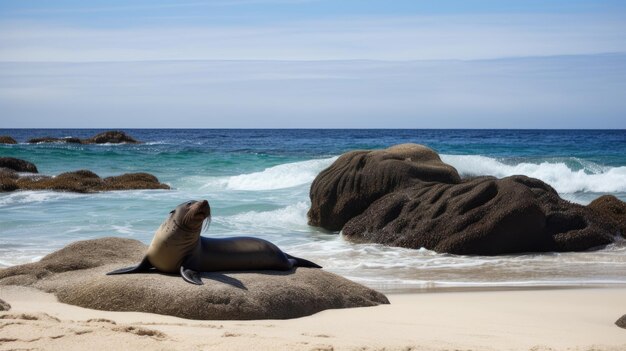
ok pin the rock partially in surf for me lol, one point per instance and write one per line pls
(358, 178)
(621, 322)
(130, 181)
(611, 209)
(5, 139)
(108, 137)
(69, 140)
(17, 165)
(7, 180)
(76, 275)
(111, 137)
(480, 216)
(85, 181)
(9, 173)
(81, 181)
(4, 306)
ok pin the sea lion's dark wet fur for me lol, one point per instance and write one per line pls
(178, 247)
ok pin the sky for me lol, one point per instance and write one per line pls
(313, 64)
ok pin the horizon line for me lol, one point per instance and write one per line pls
(501, 58)
(234, 128)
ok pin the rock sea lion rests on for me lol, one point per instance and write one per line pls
(178, 247)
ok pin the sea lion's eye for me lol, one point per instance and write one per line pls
(172, 211)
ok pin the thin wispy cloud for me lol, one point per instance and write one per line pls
(151, 7)
(576, 91)
(395, 38)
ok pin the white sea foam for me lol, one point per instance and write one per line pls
(279, 177)
(590, 178)
(282, 176)
(26, 197)
(290, 218)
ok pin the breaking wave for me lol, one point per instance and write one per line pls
(589, 177)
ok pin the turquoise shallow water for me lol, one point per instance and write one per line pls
(257, 182)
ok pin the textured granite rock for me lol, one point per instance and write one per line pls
(611, 209)
(406, 196)
(481, 216)
(85, 181)
(358, 178)
(76, 275)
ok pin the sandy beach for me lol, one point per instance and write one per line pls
(549, 319)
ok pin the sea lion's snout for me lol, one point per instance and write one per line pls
(202, 209)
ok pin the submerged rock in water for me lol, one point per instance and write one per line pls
(109, 137)
(70, 140)
(5, 139)
(76, 275)
(17, 165)
(133, 181)
(84, 181)
(406, 196)
(481, 216)
(611, 209)
(358, 178)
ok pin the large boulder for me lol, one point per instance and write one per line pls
(481, 216)
(611, 209)
(111, 137)
(17, 165)
(85, 181)
(358, 178)
(76, 275)
(5, 139)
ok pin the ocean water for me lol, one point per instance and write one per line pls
(257, 182)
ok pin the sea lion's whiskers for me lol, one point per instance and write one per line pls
(205, 225)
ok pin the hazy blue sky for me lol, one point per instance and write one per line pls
(299, 63)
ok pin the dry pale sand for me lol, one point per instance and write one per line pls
(564, 319)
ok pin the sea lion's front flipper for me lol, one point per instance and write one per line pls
(190, 276)
(142, 267)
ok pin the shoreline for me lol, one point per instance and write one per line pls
(537, 319)
(492, 288)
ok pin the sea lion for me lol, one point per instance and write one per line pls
(178, 247)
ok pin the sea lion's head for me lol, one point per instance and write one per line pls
(178, 235)
(190, 215)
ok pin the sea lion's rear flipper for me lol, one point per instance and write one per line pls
(142, 267)
(301, 262)
(190, 276)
